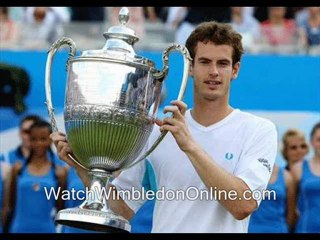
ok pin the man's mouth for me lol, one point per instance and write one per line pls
(212, 82)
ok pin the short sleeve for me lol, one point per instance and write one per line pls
(131, 180)
(256, 164)
(129, 185)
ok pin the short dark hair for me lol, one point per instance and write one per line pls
(31, 117)
(218, 33)
(41, 124)
(314, 129)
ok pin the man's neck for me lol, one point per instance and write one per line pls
(207, 113)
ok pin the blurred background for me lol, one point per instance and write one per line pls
(279, 77)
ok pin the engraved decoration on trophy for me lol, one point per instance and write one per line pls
(111, 102)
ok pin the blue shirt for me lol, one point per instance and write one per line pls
(308, 201)
(270, 217)
(1, 192)
(313, 34)
(15, 155)
(33, 209)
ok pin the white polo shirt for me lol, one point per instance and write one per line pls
(243, 144)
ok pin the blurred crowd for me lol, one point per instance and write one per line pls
(277, 30)
(32, 166)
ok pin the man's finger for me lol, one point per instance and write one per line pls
(159, 122)
(56, 137)
(181, 105)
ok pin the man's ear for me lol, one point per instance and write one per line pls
(235, 70)
(191, 70)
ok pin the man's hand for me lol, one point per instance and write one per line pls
(177, 125)
(60, 141)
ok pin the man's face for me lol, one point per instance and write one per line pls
(213, 71)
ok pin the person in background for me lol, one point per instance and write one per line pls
(294, 147)
(277, 212)
(9, 31)
(261, 13)
(136, 21)
(30, 185)
(4, 174)
(280, 35)
(19, 154)
(23, 150)
(311, 29)
(43, 25)
(196, 15)
(88, 14)
(307, 176)
(247, 26)
(154, 14)
(1, 192)
(175, 16)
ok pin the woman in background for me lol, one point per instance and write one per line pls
(307, 175)
(4, 174)
(277, 212)
(31, 183)
(295, 147)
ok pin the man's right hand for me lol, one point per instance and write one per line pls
(60, 141)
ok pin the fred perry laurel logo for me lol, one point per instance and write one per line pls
(228, 156)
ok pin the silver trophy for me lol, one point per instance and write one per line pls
(111, 102)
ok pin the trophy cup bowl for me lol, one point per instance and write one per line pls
(111, 102)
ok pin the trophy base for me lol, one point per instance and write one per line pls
(93, 220)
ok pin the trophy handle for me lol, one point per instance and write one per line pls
(51, 52)
(160, 76)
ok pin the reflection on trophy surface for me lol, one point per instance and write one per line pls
(108, 115)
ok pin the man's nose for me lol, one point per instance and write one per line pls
(213, 69)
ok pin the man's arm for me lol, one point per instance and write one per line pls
(119, 206)
(212, 175)
(215, 177)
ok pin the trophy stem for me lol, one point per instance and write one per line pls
(97, 200)
(94, 213)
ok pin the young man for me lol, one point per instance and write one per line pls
(211, 147)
